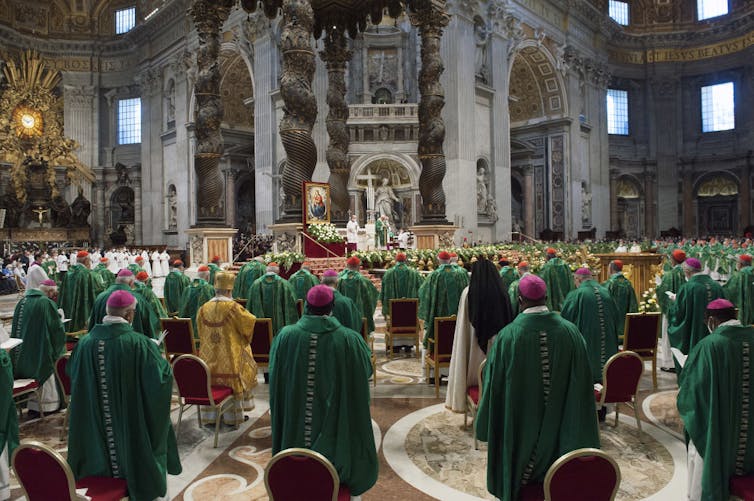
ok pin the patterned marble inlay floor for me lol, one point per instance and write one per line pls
(442, 449)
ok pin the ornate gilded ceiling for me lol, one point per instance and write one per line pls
(68, 18)
(534, 87)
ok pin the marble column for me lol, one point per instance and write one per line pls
(209, 16)
(744, 197)
(614, 223)
(501, 140)
(650, 179)
(336, 55)
(687, 174)
(529, 200)
(431, 18)
(300, 110)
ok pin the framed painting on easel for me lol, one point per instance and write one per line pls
(316, 202)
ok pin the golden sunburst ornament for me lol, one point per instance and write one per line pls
(27, 122)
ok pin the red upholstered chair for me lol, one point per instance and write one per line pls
(261, 341)
(45, 475)
(369, 340)
(742, 488)
(440, 348)
(22, 391)
(620, 378)
(473, 394)
(65, 383)
(590, 473)
(195, 388)
(315, 477)
(402, 322)
(640, 336)
(180, 338)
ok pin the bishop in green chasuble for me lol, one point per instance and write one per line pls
(78, 292)
(440, 293)
(195, 295)
(622, 292)
(359, 289)
(559, 279)
(175, 283)
(271, 296)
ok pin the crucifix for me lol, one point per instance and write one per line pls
(40, 212)
(369, 177)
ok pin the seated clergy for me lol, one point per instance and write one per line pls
(225, 330)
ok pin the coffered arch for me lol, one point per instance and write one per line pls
(536, 87)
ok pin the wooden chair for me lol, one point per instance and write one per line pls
(315, 477)
(71, 338)
(581, 474)
(45, 475)
(195, 387)
(473, 394)
(640, 335)
(23, 389)
(620, 379)
(402, 322)
(440, 348)
(164, 305)
(65, 383)
(180, 337)
(741, 488)
(261, 341)
(369, 340)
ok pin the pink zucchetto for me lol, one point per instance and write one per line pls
(120, 299)
(693, 263)
(125, 273)
(319, 295)
(330, 273)
(720, 304)
(49, 283)
(584, 272)
(532, 287)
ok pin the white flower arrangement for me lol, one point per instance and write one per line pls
(325, 233)
(648, 303)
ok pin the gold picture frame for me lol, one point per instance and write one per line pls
(316, 201)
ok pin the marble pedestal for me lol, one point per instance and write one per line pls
(434, 236)
(205, 243)
(287, 237)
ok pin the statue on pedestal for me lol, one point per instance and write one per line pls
(383, 201)
(80, 210)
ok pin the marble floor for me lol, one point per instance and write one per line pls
(425, 451)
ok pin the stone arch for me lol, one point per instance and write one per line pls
(536, 87)
(236, 87)
(358, 167)
(717, 204)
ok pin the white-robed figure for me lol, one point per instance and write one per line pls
(112, 262)
(156, 267)
(483, 310)
(96, 255)
(145, 264)
(352, 233)
(165, 262)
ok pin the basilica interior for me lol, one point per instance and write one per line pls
(155, 123)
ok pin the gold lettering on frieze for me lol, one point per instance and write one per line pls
(671, 55)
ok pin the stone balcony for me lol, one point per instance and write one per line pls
(383, 122)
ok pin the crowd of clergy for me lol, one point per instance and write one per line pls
(545, 337)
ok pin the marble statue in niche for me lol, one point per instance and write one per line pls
(80, 210)
(482, 190)
(170, 101)
(172, 208)
(481, 39)
(384, 199)
(586, 205)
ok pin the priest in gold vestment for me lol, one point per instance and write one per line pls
(225, 330)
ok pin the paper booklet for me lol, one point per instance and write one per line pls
(11, 343)
(160, 339)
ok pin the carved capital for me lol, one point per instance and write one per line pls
(150, 81)
(209, 15)
(466, 8)
(257, 25)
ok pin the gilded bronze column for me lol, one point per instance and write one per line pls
(336, 55)
(430, 16)
(300, 103)
(209, 16)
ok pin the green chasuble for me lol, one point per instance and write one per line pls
(107, 276)
(362, 292)
(686, 322)
(740, 291)
(439, 296)
(715, 404)
(302, 281)
(152, 299)
(320, 361)
(213, 269)
(77, 294)
(135, 268)
(272, 297)
(346, 311)
(120, 411)
(509, 275)
(247, 275)
(593, 311)
(36, 321)
(379, 234)
(400, 281)
(145, 320)
(51, 268)
(537, 402)
(559, 279)
(8, 412)
(194, 296)
(623, 294)
(175, 283)
(672, 280)
(513, 295)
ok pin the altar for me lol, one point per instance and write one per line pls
(640, 268)
(71, 235)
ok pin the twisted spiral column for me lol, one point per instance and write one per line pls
(300, 103)
(431, 18)
(209, 16)
(336, 55)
